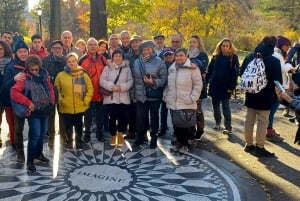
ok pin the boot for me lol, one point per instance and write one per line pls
(113, 140)
(120, 139)
(153, 142)
(20, 157)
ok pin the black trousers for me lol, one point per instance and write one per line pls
(117, 113)
(96, 113)
(76, 121)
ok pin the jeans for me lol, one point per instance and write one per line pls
(272, 113)
(226, 111)
(142, 110)
(117, 112)
(37, 130)
(95, 113)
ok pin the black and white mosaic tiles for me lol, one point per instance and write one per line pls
(101, 172)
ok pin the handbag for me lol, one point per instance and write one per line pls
(19, 109)
(184, 118)
(106, 92)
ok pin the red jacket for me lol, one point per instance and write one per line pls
(42, 53)
(18, 88)
(94, 67)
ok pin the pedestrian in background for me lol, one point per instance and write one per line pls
(222, 76)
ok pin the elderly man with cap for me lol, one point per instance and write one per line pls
(13, 73)
(135, 42)
(168, 57)
(159, 41)
(150, 77)
(55, 63)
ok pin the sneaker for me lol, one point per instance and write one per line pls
(130, 135)
(217, 127)
(175, 147)
(31, 168)
(263, 152)
(79, 146)
(113, 140)
(20, 157)
(100, 137)
(227, 131)
(162, 132)
(120, 139)
(184, 150)
(42, 159)
(273, 137)
(249, 148)
(86, 138)
(272, 132)
(68, 146)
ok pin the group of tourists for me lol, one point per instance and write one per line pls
(128, 85)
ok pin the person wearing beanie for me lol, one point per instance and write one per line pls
(280, 52)
(37, 47)
(55, 63)
(150, 77)
(14, 72)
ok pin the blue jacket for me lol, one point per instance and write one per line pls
(11, 70)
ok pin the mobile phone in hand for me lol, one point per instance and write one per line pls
(148, 75)
(279, 86)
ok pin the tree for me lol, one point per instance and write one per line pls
(12, 15)
(98, 19)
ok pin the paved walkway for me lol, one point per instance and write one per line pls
(102, 172)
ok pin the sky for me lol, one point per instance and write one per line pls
(31, 3)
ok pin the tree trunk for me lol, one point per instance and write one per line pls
(98, 19)
(55, 25)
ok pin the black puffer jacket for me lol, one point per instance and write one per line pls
(266, 97)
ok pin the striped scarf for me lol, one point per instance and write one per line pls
(3, 63)
(40, 92)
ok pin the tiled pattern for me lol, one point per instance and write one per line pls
(101, 172)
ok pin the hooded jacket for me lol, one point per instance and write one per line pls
(184, 87)
(70, 103)
(42, 53)
(266, 97)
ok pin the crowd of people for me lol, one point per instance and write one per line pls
(127, 85)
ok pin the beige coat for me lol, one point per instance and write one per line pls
(184, 87)
(125, 81)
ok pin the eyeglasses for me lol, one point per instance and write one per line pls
(57, 48)
(175, 41)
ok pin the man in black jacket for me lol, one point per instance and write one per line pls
(55, 63)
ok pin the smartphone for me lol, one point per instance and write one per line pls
(279, 86)
(148, 75)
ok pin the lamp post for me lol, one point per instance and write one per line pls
(39, 12)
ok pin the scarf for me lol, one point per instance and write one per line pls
(40, 92)
(193, 53)
(3, 63)
(146, 58)
(79, 87)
